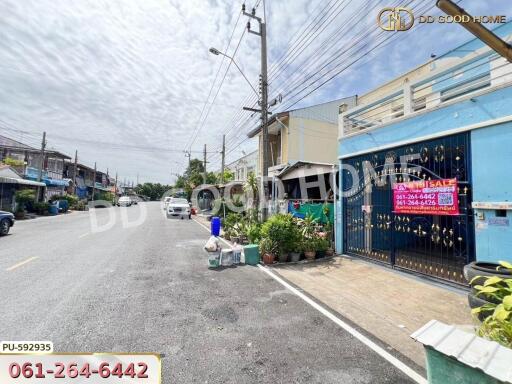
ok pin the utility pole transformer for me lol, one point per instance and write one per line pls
(223, 159)
(263, 101)
(204, 165)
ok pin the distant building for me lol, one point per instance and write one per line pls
(306, 134)
(244, 165)
(26, 161)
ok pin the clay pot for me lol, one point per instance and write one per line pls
(268, 258)
(310, 255)
(329, 252)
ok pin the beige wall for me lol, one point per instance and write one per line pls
(312, 140)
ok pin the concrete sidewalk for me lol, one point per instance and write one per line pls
(387, 304)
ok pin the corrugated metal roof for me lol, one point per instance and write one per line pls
(490, 357)
(327, 112)
(10, 143)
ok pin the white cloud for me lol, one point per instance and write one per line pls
(137, 72)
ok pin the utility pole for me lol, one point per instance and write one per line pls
(94, 182)
(204, 165)
(264, 99)
(115, 188)
(75, 169)
(223, 159)
(41, 163)
(188, 154)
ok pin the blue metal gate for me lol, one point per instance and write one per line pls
(437, 246)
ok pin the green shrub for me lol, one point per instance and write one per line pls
(322, 244)
(24, 197)
(253, 233)
(281, 229)
(268, 246)
(71, 199)
(41, 208)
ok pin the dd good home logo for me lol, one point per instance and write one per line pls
(395, 19)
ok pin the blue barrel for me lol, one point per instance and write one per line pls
(215, 226)
(53, 209)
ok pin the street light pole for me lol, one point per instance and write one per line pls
(216, 52)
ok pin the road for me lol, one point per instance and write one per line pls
(146, 288)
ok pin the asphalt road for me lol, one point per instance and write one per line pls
(146, 288)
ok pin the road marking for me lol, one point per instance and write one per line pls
(21, 263)
(365, 340)
(362, 338)
(85, 234)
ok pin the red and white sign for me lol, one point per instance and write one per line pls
(426, 197)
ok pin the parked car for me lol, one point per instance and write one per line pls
(124, 201)
(179, 208)
(167, 200)
(6, 222)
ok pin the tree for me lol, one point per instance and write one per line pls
(228, 176)
(153, 191)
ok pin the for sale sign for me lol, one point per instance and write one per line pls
(426, 197)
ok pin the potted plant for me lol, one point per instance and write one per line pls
(321, 246)
(296, 252)
(309, 246)
(23, 197)
(268, 250)
(330, 250)
(253, 233)
(280, 228)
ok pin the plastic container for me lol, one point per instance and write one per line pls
(213, 259)
(252, 254)
(237, 254)
(53, 209)
(215, 226)
(226, 257)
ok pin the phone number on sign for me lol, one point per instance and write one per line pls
(94, 368)
(72, 370)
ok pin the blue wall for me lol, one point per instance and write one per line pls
(486, 107)
(491, 150)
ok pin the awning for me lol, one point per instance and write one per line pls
(56, 183)
(11, 180)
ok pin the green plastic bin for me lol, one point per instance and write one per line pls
(252, 254)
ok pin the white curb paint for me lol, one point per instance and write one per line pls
(363, 339)
(21, 263)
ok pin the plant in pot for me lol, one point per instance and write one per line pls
(322, 245)
(279, 228)
(309, 246)
(268, 249)
(296, 252)
(23, 197)
(253, 233)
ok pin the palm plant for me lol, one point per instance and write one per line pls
(251, 187)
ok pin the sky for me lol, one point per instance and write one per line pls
(131, 84)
